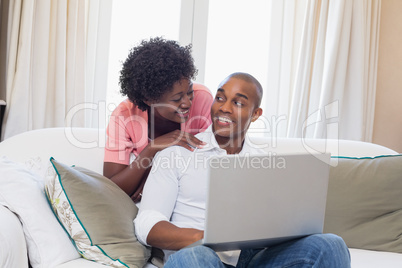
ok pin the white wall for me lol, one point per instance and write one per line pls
(388, 110)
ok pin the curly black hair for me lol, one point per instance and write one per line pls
(152, 68)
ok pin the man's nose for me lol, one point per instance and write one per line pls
(226, 107)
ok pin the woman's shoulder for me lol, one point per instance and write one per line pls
(127, 108)
(202, 100)
(201, 89)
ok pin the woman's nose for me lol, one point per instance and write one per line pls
(186, 102)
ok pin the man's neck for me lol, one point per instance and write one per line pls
(232, 145)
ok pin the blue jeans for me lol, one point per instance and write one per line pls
(322, 250)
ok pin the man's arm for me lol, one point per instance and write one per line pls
(131, 178)
(160, 193)
(165, 235)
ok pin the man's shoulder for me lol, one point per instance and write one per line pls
(252, 148)
(174, 150)
(205, 135)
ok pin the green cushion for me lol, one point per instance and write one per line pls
(97, 215)
(364, 204)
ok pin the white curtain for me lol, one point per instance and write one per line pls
(322, 73)
(99, 16)
(47, 61)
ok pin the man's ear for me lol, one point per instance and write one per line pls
(256, 114)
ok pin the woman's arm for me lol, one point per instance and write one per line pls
(131, 178)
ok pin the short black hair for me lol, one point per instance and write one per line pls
(250, 79)
(152, 68)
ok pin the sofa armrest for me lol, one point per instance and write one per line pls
(13, 249)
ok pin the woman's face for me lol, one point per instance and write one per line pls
(175, 105)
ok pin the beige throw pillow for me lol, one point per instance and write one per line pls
(364, 204)
(97, 215)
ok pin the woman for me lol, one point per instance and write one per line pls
(163, 108)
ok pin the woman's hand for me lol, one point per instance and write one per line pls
(136, 197)
(176, 137)
(131, 178)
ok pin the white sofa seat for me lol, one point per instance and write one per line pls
(374, 259)
(85, 147)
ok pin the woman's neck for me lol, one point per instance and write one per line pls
(158, 126)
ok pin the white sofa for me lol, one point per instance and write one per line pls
(84, 147)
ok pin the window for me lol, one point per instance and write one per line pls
(133, 21)
(220, 52)
(237, 40)
(227, 36)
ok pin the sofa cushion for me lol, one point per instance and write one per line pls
(13, 248)
(364, 204)
(97, 215)
(22, 192)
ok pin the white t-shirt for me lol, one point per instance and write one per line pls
(176, 189)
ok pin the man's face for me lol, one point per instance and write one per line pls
(175, 105)
(234, 108)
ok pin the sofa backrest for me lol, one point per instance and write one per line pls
(72, 146)
(334, 146)
(85, 147)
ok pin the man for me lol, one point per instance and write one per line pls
(172, 212)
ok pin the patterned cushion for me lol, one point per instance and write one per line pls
(97, 215)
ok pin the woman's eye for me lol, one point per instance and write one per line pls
(177, 100)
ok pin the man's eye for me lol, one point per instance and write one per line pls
(218, 98)
(238, 103)
(177, 100)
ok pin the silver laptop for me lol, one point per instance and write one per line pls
(260, 201)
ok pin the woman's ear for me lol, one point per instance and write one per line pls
(256, 114)
(149, 103)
